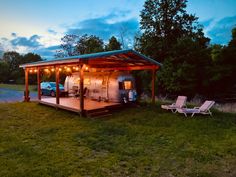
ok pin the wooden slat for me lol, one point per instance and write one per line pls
(39, 86)
(57, 85)
(81, 87)
(26, 98)
(153, 85)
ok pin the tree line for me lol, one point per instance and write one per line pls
(9, 67)
(168, 34)
(72, 45)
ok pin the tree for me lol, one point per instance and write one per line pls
(4, 71)
(77, 45)
(113, 44)
(68, 46)
(89, 44)
(223, 68)
(30, 57)
(186, 69)
(163, 22)
(172, 36)
(12, 61)
(216, 51)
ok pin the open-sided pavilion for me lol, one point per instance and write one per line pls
(118, 60)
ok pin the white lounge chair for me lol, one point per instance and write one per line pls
(180, 103)
(203, 109)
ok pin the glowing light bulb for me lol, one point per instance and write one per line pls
(52, 69)
(68, 69)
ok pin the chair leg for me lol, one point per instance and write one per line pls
(192, 114)
(210, 113)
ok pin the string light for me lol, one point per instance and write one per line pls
(31, 71)
(60, 69)
(86, 68)
(52, 69)
(68, 69)
(77, 68)
(35, 70)
(46, 70)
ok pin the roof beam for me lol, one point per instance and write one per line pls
(129, 68)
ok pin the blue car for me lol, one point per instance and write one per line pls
(49, 88)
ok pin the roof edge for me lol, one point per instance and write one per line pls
(88, 56)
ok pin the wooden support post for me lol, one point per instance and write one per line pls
(39, 80)
(57, 85)
(81, 89)
(26, 95)
(153, 85)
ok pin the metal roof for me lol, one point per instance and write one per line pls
(116, 58)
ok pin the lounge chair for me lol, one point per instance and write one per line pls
(203, 109)
(180, 103)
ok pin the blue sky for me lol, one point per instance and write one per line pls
(37, 25)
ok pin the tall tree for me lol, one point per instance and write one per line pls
(113, 44)
(163, 22)
(174, 37)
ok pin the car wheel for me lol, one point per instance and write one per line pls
(53, 94)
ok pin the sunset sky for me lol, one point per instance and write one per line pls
(37, 25)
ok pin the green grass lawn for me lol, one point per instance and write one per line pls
(36, 140)
(18, 87)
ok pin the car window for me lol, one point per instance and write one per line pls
(54, 85)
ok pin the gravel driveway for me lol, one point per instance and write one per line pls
(8, 95)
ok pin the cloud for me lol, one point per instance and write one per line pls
(207, 23)
(220, 30)
(47, 52)
(51, 31)
(117, 23)
(13, 34)
(26, 42)
(113, 24)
